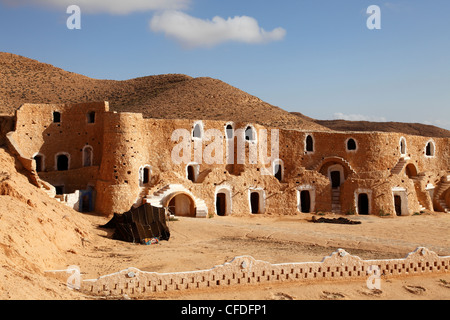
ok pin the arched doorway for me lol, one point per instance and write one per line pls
(182, 205)
(411, 170)
(223, 202)
(254, 202)
(335, 173)
(363, 204)
(39, 160)
(305, 201)
(335, 177)
(400, 201)
(256, 198)
(62, 162)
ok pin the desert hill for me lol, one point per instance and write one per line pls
(36, 234)
(172, 96)
(418, 129)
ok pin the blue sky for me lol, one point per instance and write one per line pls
(316, 57)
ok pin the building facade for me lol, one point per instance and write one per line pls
(109, 162)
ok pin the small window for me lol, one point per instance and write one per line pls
(309, 144)
(430, 149)
(278, 169)
(402, 146)
(249, 134)
(229, 131)
(56, 117)
(91, 117)
(351, 144)
(197, 132)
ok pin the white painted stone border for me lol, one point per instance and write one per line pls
(245, 270)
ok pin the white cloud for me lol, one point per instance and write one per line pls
(442, 123)
(106, 6)
(357, 117)
(193, 32)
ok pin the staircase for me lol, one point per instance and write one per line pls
(157, 199)
(335, 200)
(338, 159)
(421, 206)
(444, 206)
(443, 186)
(400, 165)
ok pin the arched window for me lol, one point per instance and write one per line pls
(250, 134)
(430, 149)
(309, 145)
(403, 145)
(229, 131)
(351, 144)
(87, 156)
(278, 169)
(197, 131)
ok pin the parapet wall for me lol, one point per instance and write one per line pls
(245, 270)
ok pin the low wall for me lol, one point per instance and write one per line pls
(245, 270)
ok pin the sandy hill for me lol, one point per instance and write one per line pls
(36, 234)
(163, 96)
(406, 128)
(171, 96)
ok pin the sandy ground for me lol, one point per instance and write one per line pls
(198, 244)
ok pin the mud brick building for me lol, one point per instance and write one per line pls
(96, 159)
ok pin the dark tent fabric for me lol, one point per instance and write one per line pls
(143, 222)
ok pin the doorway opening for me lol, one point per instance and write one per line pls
(191, 173)
(146, 176)
(411, 170)
(305, 201)
(39, 159)
(221, 204)
(62, 162)
(254, 202)
(87, 156)
(182, 205)
(398, 205)
(59, 190)
(363, 204)
(335, 177)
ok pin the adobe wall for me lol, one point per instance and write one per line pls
(376, 151)
(35, 131)
(124, 143)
